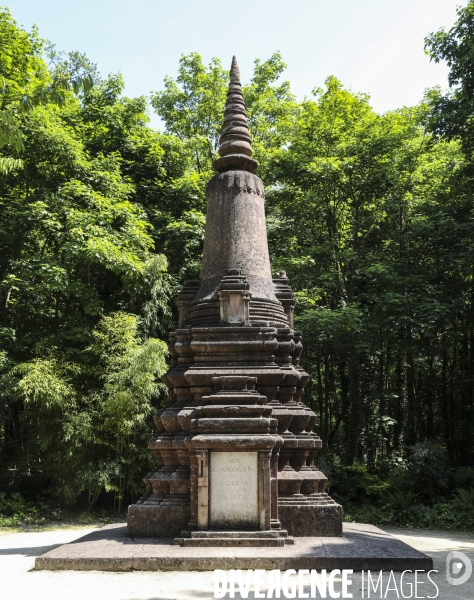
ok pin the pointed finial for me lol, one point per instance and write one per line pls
(234, 71)
(235, 149)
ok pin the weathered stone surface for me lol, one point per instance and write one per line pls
(306, 520)
(156, 521)
(230, 209)
(233, 490)
(230, 538)
(225, 542)
(235, 148)
(361, 547)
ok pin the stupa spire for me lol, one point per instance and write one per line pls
(234, 74)
(235, 147)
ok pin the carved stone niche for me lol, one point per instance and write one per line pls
(234, 298)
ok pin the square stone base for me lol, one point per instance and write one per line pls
(311, 520)
(148, 520)
(110, 549)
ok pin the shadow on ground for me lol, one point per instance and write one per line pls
(31, 551)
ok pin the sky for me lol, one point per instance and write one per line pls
(372, 46)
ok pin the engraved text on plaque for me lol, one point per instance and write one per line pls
(233, 490)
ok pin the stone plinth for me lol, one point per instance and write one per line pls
(110, 549)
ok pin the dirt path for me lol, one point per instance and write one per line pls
(19, 582)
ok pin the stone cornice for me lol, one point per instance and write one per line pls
(237, 181)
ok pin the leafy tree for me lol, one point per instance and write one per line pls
(373, 270)
(26, 82)
(452, 113)
(192, 107)
(76, 252)
(92, 436)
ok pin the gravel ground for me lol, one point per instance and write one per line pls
(19, 581)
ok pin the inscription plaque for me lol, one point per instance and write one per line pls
(233, 490)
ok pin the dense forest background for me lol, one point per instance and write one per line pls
(102, 220)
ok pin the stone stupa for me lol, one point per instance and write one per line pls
(235, 448)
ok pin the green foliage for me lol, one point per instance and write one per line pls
(93, 437)
(441, 515)
(355, 483)
(26, 82)
(429, 469)
(79, 267)
(451, 113)
(464, 499)
(378, 292)
(15, 510)
(192, 107)
(97, 478)
(463, 476)
(129, 369)
(401, 501)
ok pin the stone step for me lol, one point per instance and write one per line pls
(228, 542)
(210, 533)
